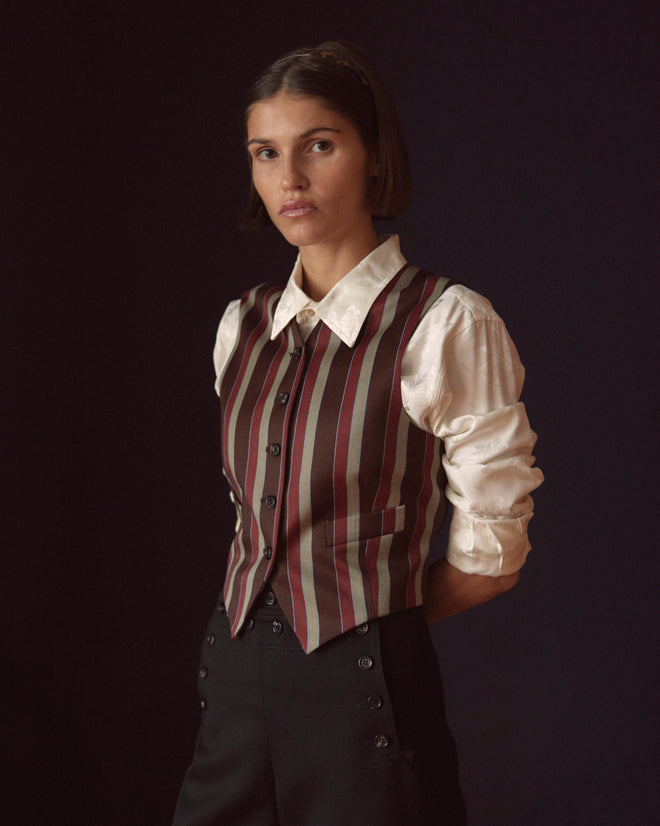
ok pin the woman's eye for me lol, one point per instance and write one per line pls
(321, 146)
(266, 154)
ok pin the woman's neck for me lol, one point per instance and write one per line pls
(324, 265)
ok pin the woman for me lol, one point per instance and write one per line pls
(356, 399)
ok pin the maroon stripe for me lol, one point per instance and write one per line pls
(391, 435)
(256, 417)
(371, 556)
(297, 448)
(346, 413)
(237, 568)
(390, 457)
(341, 468)
(249, 543)
(340, 488)
(250, 343)
(414, 555)
(372, 441)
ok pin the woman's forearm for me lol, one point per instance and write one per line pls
(449, 591)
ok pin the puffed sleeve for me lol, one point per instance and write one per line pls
(225, 339)
(461, 380)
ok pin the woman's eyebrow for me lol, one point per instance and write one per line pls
(305, 134)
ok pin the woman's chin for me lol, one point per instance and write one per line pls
(300, 236)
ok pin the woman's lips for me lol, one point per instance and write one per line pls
(296, 209)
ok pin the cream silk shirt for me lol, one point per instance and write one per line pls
(461, 379)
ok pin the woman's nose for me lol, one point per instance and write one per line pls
(292, 176)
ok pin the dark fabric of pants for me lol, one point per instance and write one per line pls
(353, 734)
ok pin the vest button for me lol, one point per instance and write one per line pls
(381, 741)
(270, 501)
(277, 627)
(203, 672)
(366, 663)
(282, 398)
(269, 598)
(362, 628)
(211, 639)
(268, 552)
(296, 352)
(250, 623)
(375, 701)
(203, 704)
(275, 449)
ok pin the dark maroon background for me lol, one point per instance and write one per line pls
(532, 141)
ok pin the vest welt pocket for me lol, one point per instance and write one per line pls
(359, 526)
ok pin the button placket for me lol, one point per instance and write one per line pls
(380, 728)
(280, 416)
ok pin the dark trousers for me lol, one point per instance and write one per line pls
(353, 734)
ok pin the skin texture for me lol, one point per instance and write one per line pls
(311, 170)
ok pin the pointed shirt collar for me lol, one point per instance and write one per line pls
(346, 306)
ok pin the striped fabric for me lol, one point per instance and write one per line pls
(338, 493)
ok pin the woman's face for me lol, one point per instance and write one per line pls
(311, 170)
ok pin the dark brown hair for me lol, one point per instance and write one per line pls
(344, 78)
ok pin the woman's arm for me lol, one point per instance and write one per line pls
(461, 380)
(449, 591)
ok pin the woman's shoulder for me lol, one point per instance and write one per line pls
(459, 302)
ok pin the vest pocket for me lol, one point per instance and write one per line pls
(365, 525)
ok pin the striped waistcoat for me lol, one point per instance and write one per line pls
(337, 492)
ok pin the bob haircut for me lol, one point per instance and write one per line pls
(340, 75)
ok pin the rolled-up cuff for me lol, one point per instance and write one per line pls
(490, 547)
